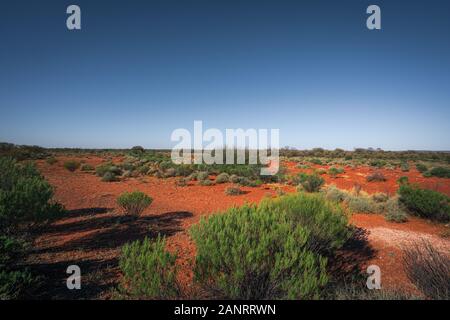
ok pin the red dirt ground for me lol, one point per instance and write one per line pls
(92, 233)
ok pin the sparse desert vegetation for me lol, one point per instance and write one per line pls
(189, 224)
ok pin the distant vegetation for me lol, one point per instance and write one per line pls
(71, 165)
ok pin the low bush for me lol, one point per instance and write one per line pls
(206, 182)
(182, 182)
(134, 203)
(149, 271)
(377, 163)
(102, 169)
(428, 269)
(421, 167)
(109, 177)
(394, 211)
(404, 167)
(244, 181)
(321, 171)
(51, 160)
(380, 197)
(170, 172)
(25, 202)
(359, 291)
(333, 171)
(403, 180)
(440, 172)
(316, 161)
(25, 196)
(222, 178)
(71, 165)
(202, 175)
(309, 182)
(233, 191)
(87, 167)
(270, 251)
(425, 203)
(184, 170)
(376, 176)
(234, 178)
(427, 174)
(362, 204)
(332, 193)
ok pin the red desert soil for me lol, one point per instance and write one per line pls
(92, 233)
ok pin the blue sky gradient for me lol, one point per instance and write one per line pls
(140, 69)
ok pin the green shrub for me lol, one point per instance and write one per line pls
(332, 193)
(182, 182)
(233, 191)
(421, 167)
(149, 271)
(243, 181)
(377, 163)
(333, 171)
(184, 170)
(222, 178)
(170, 172)
(134, 203)
(103, 169)
(109, 177)
(440, 172)
(14, 284)
(316, 161)
(321, 171)
(25, 196)
(404, 167)
(309, 182)
(206, 182)
(380, 197)
(15, 281)
(325, 220)
(202, 175)
(362, 204)
(137, 150)
(425, 203)
(234, 178)
(51, 160)
(142, 170)
(376, 176)
(71, 165)
(427, 174)
(270, 251)
(403, 180)
(394, 212)
(128, 166)
(25, 201)
(192, 176)
(87, 167)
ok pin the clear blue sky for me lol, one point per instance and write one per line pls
(140, 69)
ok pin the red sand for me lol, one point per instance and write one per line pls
(91, 235)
